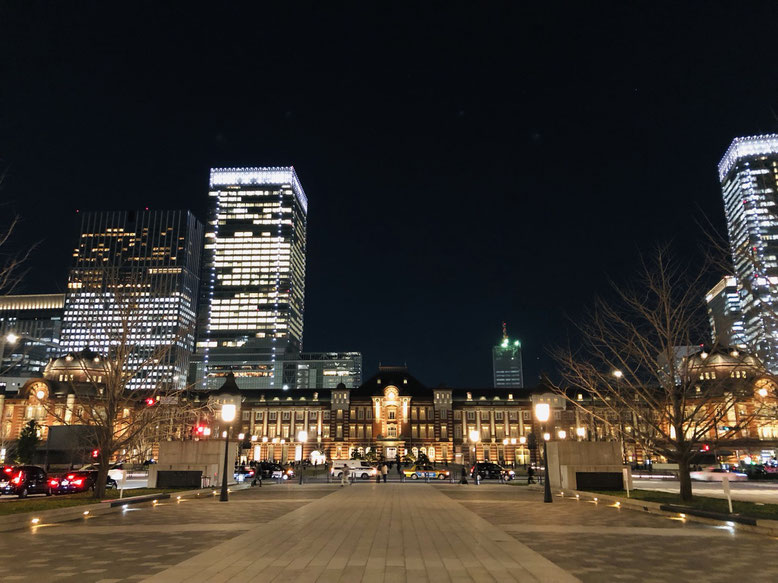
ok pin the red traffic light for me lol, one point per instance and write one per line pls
(200, 429)
(95, 452)
(150, 402)
(705, 447)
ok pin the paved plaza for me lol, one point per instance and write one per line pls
(382, 532)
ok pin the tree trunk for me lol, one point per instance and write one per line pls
(102, 475)
(686, 481)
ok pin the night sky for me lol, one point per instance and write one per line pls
(463, 167)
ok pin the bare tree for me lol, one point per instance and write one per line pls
(126, 393)
(634, 370)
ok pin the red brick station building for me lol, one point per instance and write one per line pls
(391, 414)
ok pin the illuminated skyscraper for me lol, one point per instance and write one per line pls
(749, 181)
(724, 313)
(134, 283)
(506, 362)
(254, 275)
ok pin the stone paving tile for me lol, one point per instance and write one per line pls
(114, 553)
(645, 548)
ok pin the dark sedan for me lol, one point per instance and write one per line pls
(24, 480)
(491, 470)
(78, 481)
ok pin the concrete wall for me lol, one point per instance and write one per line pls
(205, 456)
(565, 458)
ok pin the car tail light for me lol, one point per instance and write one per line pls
(78, 482)
(8, 470)
(70, 476)
(53, 483)
(17, 479)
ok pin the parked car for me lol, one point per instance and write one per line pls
(24, 480)
(753, 471)
(357, 468)
(417, 471)
(78, 481)
(714, 474)
(274, 471)
(491, 470)
(244, 473)
(115, 471)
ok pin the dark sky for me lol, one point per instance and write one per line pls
(463, 166)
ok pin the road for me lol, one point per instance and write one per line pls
(764, 492)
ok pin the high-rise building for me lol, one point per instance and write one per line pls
(253, 275)
(724, 313)
(323, 370)
(152, 257)
(506, 362)
(749, 180)
(30, 328)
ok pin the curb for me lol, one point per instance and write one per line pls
(41, 517)
(743, 523)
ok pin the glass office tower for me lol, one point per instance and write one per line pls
(30, 329)
(749, 180)
(506, 362)
(134, 283)
(254, 275)
(724, 313)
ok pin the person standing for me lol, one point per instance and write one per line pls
(384, 471)
(530, 473)
(344, 476)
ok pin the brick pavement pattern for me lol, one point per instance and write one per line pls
(382, 532)
(599, 542)
(130, 545)
(372, 532)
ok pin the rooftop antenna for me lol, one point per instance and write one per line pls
(504, 331)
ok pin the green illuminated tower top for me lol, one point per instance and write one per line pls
(506, 362)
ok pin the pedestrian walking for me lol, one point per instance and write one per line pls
(530, 474)
(344, 476)
(384, 471)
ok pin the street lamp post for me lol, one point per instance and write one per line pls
(228, 415)
(542, 413)
(474, 438)
(302, 437)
